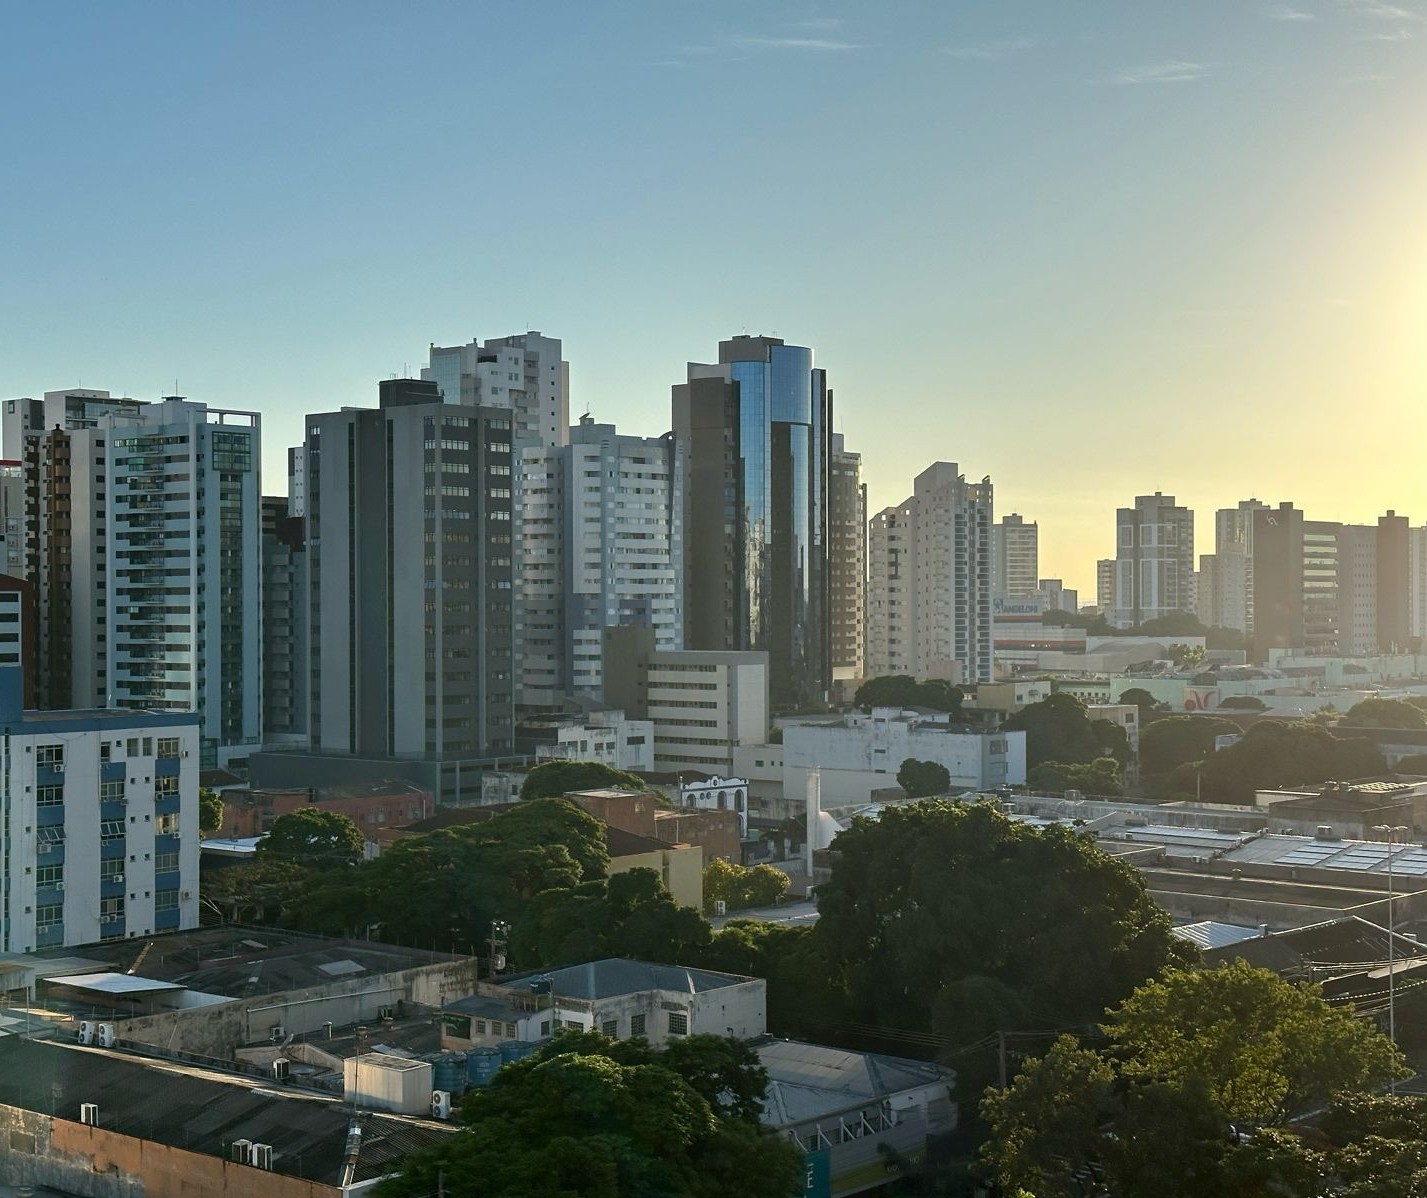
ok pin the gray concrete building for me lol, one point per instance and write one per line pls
(409, 522)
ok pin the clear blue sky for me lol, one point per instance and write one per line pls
(1090, 249)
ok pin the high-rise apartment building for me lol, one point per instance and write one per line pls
(847, 562)
(1105, 586)
(1017, 557)
(754, 434)
(890, 593)
(601, 545)
(1224, 593)
(524, 373)
(1154, 560)
(143, 544)
(1417, 581)
(930, 583)
(286, 611)
(1328, 588)
(410, 550)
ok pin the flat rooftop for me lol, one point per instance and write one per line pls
(204, 1110)
(244, 962)
(615, 976)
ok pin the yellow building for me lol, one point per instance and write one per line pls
(680, 866)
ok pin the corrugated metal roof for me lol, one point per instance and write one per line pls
(1209, 934)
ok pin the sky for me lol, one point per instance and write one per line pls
(1090, 250)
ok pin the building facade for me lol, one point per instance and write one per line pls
(1017, 557)
(847, 562)
(524, 374)
(1154, 560)
(930, 582)
(102, 808)
(601, 544)
(286, 611)
(754, 431)
(410, 548)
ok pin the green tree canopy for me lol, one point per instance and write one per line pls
(1278, 753)
(1194, 1060)
(1141, 698)
(1111, 740)
(921, 779)
(312, 836)
(1098, 777)
(1176, 739)
(210, 810)
(739, 887)
(602, 1119)
(951, 917)
(902, 690)
(552, 779)
(261, 891)
(1057, 729)
(1243, 703)
(1384, 713)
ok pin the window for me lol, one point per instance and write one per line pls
(478, 1027)
(511, 1030)
(544, 1027)
(49, 875)
(636, 1025)
(167, 825)
(678, 1023)
(49, 755)
(111, 870)
(111, 792)
(166, 863)
(610, 1027)
(168, 746)
(49, 796)
(111, 829)
(48, 916)
(166, 785)
(111, 909)
(165, 900)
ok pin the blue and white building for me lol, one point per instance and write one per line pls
(99, 829)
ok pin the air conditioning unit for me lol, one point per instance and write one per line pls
(260, 1156)
(185, 895)
(89, 1113)
(281, 1069)
(59, 767)
(107, 1036)
(387, 1013)
(239, 1150)
(59, 886)
(440, 1104)
(278, 1032)
(720, 907)
(86, 1031)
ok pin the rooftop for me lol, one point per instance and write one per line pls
(1209, 934)
(629, 844)
(812, 1081)
(615, 976)
(204, 1111)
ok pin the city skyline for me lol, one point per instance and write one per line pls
(1104, 244)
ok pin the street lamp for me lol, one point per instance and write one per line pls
(1391, 833)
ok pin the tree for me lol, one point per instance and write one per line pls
(1098, 777)
(1176, 739)
(802, 1000)
(1243, 703)
(1188, 657)
(902, 690)
(1141, 698)
(552, 779)
(1111, 740)
(922, 778)
(603, 1119)
(1384, 713)
(210, 810)
(1196, 1059)
(257, 892)
(952, 918)
(1274, 754)
(1057, 729)
(312, 836)
(739, 887)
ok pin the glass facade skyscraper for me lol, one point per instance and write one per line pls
(755, 435)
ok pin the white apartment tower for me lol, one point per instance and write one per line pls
(931, 580)
(144, 548)
(1224, 595)
(1154, 560)
(847, 562)
(601, 546)
(1017, 557)
(524, 373)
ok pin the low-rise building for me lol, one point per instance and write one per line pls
(679, 866)
(861, 753)
(603, 736)
(101, 812)
(253, 811)
(622, 999)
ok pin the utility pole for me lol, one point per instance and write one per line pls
(1392, 834)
